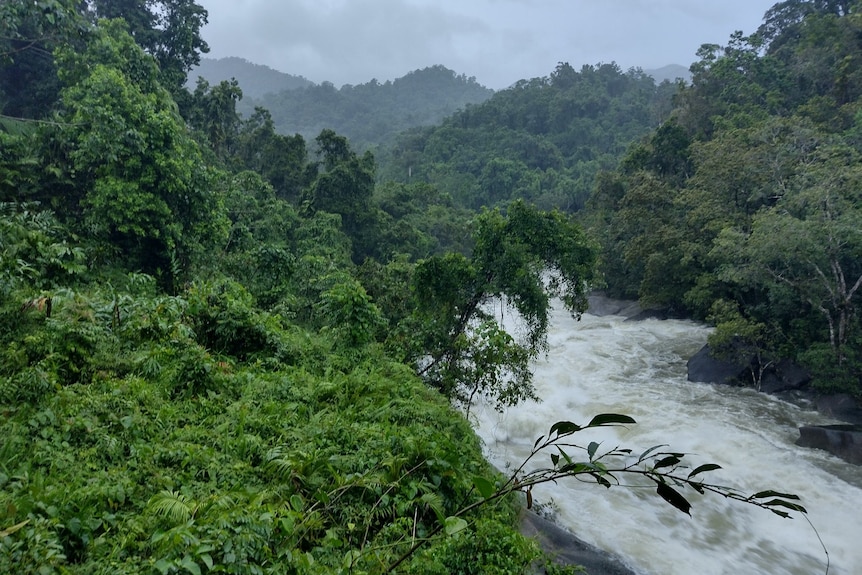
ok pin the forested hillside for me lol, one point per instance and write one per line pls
(254, 79)
(196, 375)
(372, 114)
(542, 140)
(744, 207)
(225, 349)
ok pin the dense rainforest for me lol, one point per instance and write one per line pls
(373, 113)
(732, 199)
(228, 349)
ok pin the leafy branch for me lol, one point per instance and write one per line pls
(664, 468)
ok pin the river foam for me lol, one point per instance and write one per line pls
(606, 364)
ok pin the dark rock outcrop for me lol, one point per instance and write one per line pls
(703, 368)
(600, 305)
(568, 549)
(745, 368)
(845, 441)
(784, 376)
(842, 406)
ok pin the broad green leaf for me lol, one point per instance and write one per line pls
(591, 449)
(564, 428)
(648, 451)
(189, 565)
(454, 525)
(770, 493)
(668, 461)
(673, 497)
(702, 468)
(610, 419)
(485, 487)
(207, 559)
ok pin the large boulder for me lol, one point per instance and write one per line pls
(845, 441)
(601, 305)
(744, 368)
(841, 406)
(704, 368)
(783, 376)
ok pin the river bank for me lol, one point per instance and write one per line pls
(567, 549)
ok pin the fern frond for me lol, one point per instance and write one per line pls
(172, 505)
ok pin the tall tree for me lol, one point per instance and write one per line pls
(169, 30)
(344, 186)
(522, 259)
(128, 157)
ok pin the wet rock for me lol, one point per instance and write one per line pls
(601, 305)
(841, 406)
(775, 378)
(845, 441)
(703, 368)
(568, 549)
(784, 376)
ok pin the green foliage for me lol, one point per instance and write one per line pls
(351, 313)
(371, 114)
(523, 258)
(143, 191)
(344, 186)
(541, 140)
(746, 200)
(168, 30)
(33, 251)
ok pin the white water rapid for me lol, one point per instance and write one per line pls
(608, 365)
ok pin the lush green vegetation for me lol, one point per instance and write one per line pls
(256, 80)
(371, 114)
(196, 376)
(744, 207)
(226, 350)
(542, 140)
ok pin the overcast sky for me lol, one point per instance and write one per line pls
(497, 41)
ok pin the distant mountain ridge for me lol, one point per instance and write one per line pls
(255, 80)
(671, 73)
(369, 114)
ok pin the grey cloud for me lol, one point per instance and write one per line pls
(498, 41)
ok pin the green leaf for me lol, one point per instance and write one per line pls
(787, 504)
(702, 468)
(564, 428)
(485, 487)
(454, 525)
(555, 459)
(673, 497)
(296, 502)
(770, 493)
(591, 449)
(575, 468)
(601, 480)
(648, 451)
(541, 437)
(668, 461)
(207, 559)
(610, 419)
(189, 565)
(163, 566)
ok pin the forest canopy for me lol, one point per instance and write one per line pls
(229, 349)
